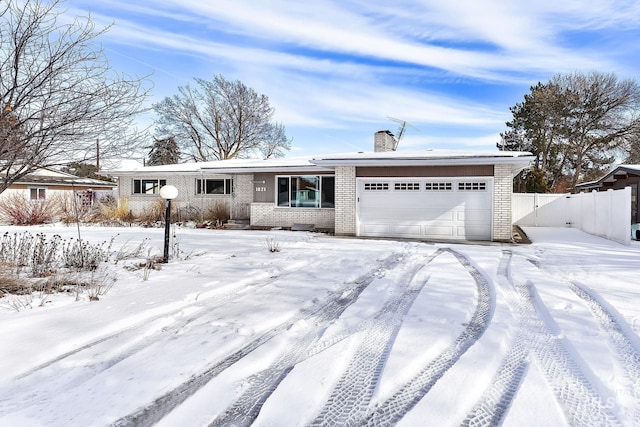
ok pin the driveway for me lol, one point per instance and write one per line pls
(333, 331)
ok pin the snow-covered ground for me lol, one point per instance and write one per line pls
(334, 331)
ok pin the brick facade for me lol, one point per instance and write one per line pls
(242, 196)
(260, 207)
(345, 215)
(270, 215)
(187, 198)
(502, 193)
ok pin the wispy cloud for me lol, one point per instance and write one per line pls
(342, 64)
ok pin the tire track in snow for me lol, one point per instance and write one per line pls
(220, 300)
(578, 398)
(166, 403)
(618, 333)
(494, 404)
(247, 407)
(353, 392)
(81, 374)
(402, 401)
(495, 401)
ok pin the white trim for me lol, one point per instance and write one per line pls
(38, 187)
(521, 162)
(319, 176)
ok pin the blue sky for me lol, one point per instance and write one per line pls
(335, 71)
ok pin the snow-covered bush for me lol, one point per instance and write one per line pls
(272, 244)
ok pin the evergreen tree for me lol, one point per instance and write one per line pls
(164, 151)
(575, 125)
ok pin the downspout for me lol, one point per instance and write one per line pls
(201, 196)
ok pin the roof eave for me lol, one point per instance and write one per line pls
(449, 161)
(267, 169)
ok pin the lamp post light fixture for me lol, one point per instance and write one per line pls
(168, 193)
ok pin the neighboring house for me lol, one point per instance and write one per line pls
(428, 194)
(619, 177)
(47, 184)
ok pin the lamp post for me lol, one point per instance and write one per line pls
(168, 193)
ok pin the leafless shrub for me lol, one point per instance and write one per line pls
(16, 209)
(218, 212)
(272, 245)
(44, 255)
(151, 262)
(130, 252)
(154, 212)
(41, 256)
(99, 286)
(17, 302)
(112, 210)
(188, 213)
(10, 282)
(71, 210)
(15, 250)
(82, 255)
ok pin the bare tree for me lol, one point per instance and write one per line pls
(58, 91)
(221, 119)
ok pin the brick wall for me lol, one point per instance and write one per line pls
(269, 215)
(502, 193)
(242, 196)
(345, 211)
(187, 198)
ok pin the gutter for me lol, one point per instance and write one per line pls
(524, 160)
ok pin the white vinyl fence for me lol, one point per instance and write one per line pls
(602, 213)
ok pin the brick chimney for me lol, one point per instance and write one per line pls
(384, 141)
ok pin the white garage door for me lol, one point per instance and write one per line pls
(425, 208)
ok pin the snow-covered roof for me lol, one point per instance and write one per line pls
(328, 162)
(610, 176)
(424, 157)
(54, 177)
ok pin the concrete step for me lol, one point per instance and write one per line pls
(238, 224)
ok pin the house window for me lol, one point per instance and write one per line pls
(438, 186)
(472, 186)
(37, 193)
(148, 186)
(214, 186)
(305, 191)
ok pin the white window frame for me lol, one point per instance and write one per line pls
(320, 191)
(201, 184)
(37, 189)
(156, 189)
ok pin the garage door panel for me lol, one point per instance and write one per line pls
(423, 215)
(437, 231)
(474, 215)
(472, 232)
(405, 230)
(443, 208)
(370, 229)
(411, 214)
